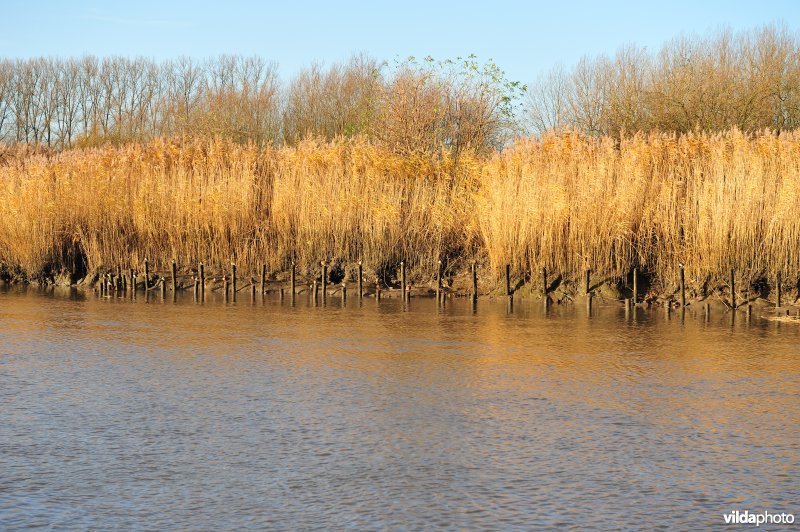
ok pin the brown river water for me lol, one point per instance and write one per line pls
(134, 414)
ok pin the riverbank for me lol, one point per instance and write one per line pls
(565, 203)
(342, 282)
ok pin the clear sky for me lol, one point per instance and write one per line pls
(524, 38)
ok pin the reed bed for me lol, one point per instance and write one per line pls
(217, 201)
(711, 202)
(563, 202)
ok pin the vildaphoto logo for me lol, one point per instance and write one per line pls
(757, 518)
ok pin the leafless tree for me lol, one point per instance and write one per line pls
(749, 80)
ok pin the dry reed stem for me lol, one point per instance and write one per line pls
(712, 202)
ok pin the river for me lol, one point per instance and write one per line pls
(153, 414)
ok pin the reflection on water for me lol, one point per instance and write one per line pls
(154, 414)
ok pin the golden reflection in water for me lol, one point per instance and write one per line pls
(595, 360)
(654, 401)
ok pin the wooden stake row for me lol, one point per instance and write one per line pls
(116, 281)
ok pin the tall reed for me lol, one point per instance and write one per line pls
(217, 201)
(712, 202)
(564, 202)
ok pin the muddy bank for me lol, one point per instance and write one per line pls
(555, 289)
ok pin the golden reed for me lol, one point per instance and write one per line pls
(564, 202)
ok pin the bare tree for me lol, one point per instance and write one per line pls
(547, 105)
(6, 105)
(747, 80)
(338, 101)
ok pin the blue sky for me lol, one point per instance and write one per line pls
(524, 38)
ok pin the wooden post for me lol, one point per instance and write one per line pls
(544, 281)
(508, 279)
(403, 279)
(474, 280)
(438, 280)
(120, 278)
(733, 290)
(263, 278)
(146, 274)
(324, 281)
(344, 292)
(174, 276)
(133, 282)
(292, 282)
(163, 287)
(314, 291)
(589, 303)
(682, 282)
(588, 281)
(196, 287)
(360, 280)
(778, 289)
(233, 279)
(226, 282)
(635, 286)
(253, 291)
(202, 281)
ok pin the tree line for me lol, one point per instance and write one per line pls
(748, 80)
(411, 105)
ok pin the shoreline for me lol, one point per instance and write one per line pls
(458, 286)
(564, 202)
